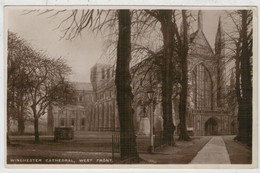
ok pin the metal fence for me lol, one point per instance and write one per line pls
(158, 139)
(115, 145)
(158, 142)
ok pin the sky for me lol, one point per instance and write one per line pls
(83, 52)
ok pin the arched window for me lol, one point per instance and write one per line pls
(103, 73)
(108, 73)
(201, 87)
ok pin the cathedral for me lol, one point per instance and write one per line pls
(207, 110)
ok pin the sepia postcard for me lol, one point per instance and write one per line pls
(131, 87)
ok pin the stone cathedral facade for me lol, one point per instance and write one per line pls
(207, 110)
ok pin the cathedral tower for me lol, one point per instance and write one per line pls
(200, 21)
(220, 60)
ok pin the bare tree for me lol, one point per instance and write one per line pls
(96, 20)
(177, 74)
(167, 29)
(124, 91)
(182, 51)
(47, 86)
(243, 59)
(17, 100)
(34, 82)
(240, 48)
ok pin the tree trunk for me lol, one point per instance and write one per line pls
(36, 130)
(8, 130)
(36, 124)
(20, 122)
(8, 139)
(184, 80)
(246, 81)
(124, 94)
(245, 102)
(20, 108)
(239, 99)
(183, 100)
(167, 72)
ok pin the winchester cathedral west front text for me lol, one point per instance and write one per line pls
(207, 111)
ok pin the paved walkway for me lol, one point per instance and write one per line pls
(238, 153)
(214, 152)
(182, 153)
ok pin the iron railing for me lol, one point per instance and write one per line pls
(115, 145)
(158, 142)
(158, 139)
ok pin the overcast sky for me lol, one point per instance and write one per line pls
(83, 52)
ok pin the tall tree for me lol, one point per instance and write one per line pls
(77, 21)
(176, 37)
(167, 68)
(17, 100)
(47, 86)
(241, 51)
(167, 71)
(182, 52)
(34, 82)
(244, 77)
(124, 91)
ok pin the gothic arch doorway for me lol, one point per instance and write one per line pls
(211, 127)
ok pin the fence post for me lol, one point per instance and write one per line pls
(112, 147)
(160, 140)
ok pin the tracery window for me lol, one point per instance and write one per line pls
(201, 87)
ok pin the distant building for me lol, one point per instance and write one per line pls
(105, 113)
(76, 115)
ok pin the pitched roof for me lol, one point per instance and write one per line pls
(194, 35)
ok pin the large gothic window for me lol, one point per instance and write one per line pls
(201, 87)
